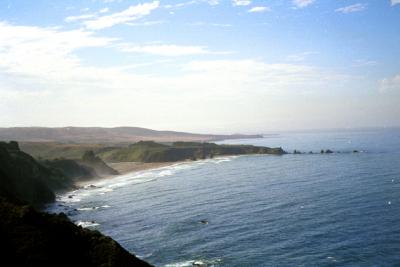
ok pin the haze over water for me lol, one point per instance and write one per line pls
(262, 210)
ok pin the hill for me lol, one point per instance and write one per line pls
(24, 179)
(29, 237)
(105, 135)
(149, 151)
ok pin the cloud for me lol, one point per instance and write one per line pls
(300, 56)
(180, 5)
(79, 17)
(364, 63)
(104, 10)
(146, 23)
(395, 2)
(302, 3)
(352, 8)
(259, 9)
(390, 84)
(168, 50)
(130, 14)
(241, 2)
(86, 16)
(35, 51)
(202, 23)
(44, 81)
(213, 2)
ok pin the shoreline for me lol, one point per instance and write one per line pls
(133, 167)
(126, 168)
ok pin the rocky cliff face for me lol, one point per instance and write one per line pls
(23, 178)
(97, 164)
(148, 151)
(32, 238)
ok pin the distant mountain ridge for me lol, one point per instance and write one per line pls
(105, 135)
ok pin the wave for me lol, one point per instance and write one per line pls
(93, 208)
(86, 224)
(198, 263)
(109, 185)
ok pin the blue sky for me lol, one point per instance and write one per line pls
(203, 65)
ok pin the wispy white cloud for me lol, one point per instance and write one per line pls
(395, 2)
(213, 2)
(80, 17)
(36, 51)
(300, 56)
(364, 63)
(302, 3)
(241, 2)
(41, 65)
(86, 16)
(180, 5)
(169, 50)
(130, 14)
(352, 8)
(259, 9)
(390, 84)
(146, 23)
(202, 23)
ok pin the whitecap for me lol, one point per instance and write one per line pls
(180, 264)
(86, 209)
(86, 224)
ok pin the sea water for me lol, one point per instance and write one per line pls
(340, 209)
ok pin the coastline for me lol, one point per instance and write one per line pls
(129, 167)
(126, 168)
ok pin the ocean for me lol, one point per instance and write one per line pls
(340, 209)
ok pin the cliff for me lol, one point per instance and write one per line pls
(32, 238)
(24, 179)
(88, 167)
(148, 151)
(106, 135)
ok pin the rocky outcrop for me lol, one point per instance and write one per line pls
(29, 237)
(32, 238)
(147, 151)
(90, 160)
(24, 179)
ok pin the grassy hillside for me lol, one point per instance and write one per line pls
(53, 150)
(32, 238)
(148, 151)
(23, 178)
(104, 135)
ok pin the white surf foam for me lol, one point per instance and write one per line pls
(87, 224)
(109, 185)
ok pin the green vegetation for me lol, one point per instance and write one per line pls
(23, 178)
(91, 161)
(32, 238)
(28, 180)
(148, 151)
(52, 150)
(142, 151)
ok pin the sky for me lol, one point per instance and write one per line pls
(208, 66)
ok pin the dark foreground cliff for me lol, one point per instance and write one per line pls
(29, 237)
(32, 238)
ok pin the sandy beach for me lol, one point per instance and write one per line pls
(128, 167)
(124, 168)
